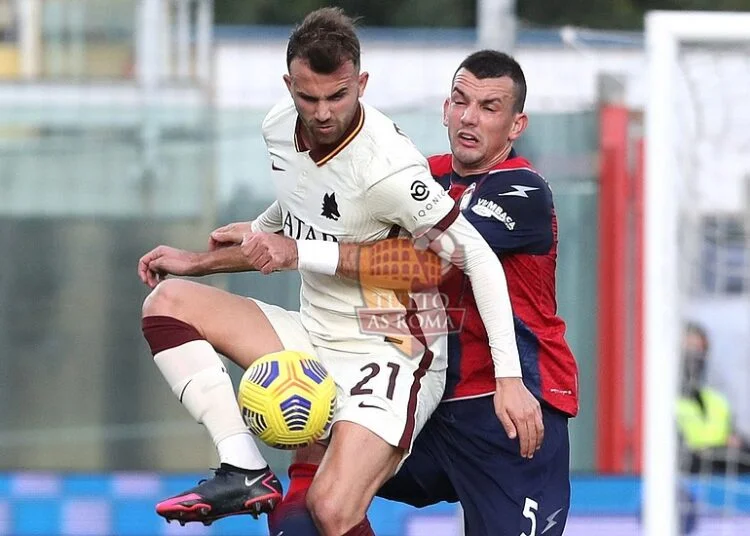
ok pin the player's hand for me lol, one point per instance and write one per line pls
(269, 252)
(155, 265)
(229, 235)
(520, 414)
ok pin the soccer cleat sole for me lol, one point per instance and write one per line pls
(201, 513)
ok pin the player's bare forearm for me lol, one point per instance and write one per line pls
(393, 263)
(224, 260)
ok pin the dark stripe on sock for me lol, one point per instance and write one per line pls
(165, 332)
(362, 528)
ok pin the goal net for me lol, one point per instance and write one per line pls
(697, 263)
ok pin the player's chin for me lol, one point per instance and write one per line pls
(327, 136)
(467, 155)
(326, 140)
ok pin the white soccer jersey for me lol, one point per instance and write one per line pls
(359, 191)
(375, 180)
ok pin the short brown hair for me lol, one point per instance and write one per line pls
(325, 40)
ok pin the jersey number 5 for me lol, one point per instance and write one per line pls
(373, 369)
(529, 512)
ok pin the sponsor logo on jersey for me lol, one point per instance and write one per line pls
(490, 209)
(330, 207)
(419, 191)
(430, 204)
(301, 230)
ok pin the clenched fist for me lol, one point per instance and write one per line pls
(269, 252)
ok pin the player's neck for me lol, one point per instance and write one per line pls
(304, 138)
(484, 166)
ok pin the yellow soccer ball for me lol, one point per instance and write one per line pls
(287, 399)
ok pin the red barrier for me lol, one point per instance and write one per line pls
(612, 441)
(638, 314)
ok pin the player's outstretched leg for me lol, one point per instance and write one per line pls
(184, 324)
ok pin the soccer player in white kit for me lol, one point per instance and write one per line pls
(343, 172)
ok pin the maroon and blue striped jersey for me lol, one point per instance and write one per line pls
(511, 207)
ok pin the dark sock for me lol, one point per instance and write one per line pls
(362, 528)
(291, 515)
(165, 332)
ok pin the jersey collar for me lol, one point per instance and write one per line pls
(511, 162)
(325, 153)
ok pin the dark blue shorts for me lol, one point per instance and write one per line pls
(463, 454)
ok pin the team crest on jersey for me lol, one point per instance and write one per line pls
(410, 321)
(330, 207)
(465, 200)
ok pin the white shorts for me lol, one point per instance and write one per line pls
(386, 392)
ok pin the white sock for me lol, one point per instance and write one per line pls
(197, 376)
(240, 450)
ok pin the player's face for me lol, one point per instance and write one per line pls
(326, 103)
(482, 122)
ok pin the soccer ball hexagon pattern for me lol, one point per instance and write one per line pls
(287, 399)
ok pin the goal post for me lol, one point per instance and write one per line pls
(672, 178)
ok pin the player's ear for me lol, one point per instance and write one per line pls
(519, 125)
(446, 105)
(364, 76)
(288, 82)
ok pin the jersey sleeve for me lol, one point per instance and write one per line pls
(462, 245)
(514, 213)
(411, 199)
(270, 221)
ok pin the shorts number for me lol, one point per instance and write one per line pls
(529, 512)
(374, 370)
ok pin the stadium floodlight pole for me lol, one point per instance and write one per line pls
(167, 39)
(149, 74)
(204, 41)
(183, 38)
(30, 37)
(496, 24)
(76, 53)
(665, 32)
(148, 45)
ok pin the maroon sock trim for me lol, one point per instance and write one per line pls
(362, 528)
(165, 332)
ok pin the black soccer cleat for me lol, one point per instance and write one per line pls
(230, 492)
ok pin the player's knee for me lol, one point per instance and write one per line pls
(332, 511)
(327, 515)
(166, 299)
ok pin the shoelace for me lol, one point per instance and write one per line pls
(218, 471)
